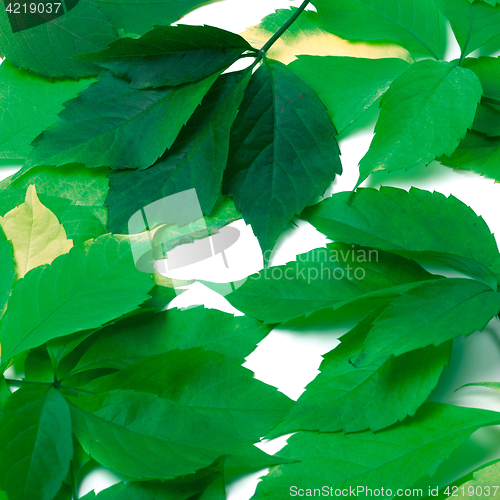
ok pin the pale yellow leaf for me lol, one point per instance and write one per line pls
(35, 233)
(305, 36)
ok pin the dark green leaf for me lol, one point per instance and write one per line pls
(414, 24)
(38, 366)
(487, 120)
(424, 114)
(92, 284)
(7, 270)
(431, 313)
(4, 392)
(348, 86)
(196, 160)
(126, 342)
(283, 151)
(346, 398)
(324, 278)
(35, 432)
(171, 55)
(488, 71)
(48, 49)
(473, 24)
(410, 224)
(477, 152)
(112, 124)
(393, 458)
(29, 104)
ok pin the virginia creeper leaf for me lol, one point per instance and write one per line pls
(112, 124)
(282, 152)
(348, 86)
(395, 457)
(126, 342)
(351, 399)
(35, 431)
(35, 233)
(479, 482)
(29, 104)
(414, 24)
(196, 160)
(92, 284)
(410, 224)
(171, 55)
(431, 313)
(308, 36)
(7, 270)
(324, 278)
(473, 24)
(477, 152)
(424, 114)
(48, 49)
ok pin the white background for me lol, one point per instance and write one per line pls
(289, 357)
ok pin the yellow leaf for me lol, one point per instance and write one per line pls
(35, 233)
(306, 36)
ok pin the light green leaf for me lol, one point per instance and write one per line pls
(92, 284)
(7, 270)
(171, 55)
(196, 160)
(348, 86)
(414, 24)
(324, 278)
(48, 49)
(431, 313)
(346, 398)
(393, 458)
(28, 105)
(282, 152)
(490, 385)
(473, 24)
(477, 152)
(112, 124)
(410, 224)
(481, 482)
(35, 234)
(424, 114)
(35, 432)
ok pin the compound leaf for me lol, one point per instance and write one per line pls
(28, 105)
(112, 124)
(36, 235)
(414, 24)
(94, 283)
(48, 48)
(473, 24)
(346, 398)
(171, 55)
(431, 313)
(348, 86)
(196, 160)
(424, 114)
(283, 151)
(35, 432)
(395, 457)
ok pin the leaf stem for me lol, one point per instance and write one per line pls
(491, 100)
(25, 382)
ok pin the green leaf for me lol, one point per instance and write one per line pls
(473, 24)
(348, 86)
(126, 342)
(477, 152)
(324, 278)
(490, 385)
(112, 124)
(487, 120)
(140, 16)
(488, 71)
(35, 432)
(171, 55)
(196, 160)
(29, 104)
(484, 481)
(346, 398)
(393, 458)
(48, 49)
(431, 313)
(92, 284)
(424, 114)
(283, 151)
(414, 24)
(7, 270)
(4, 393)
(413, 229)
